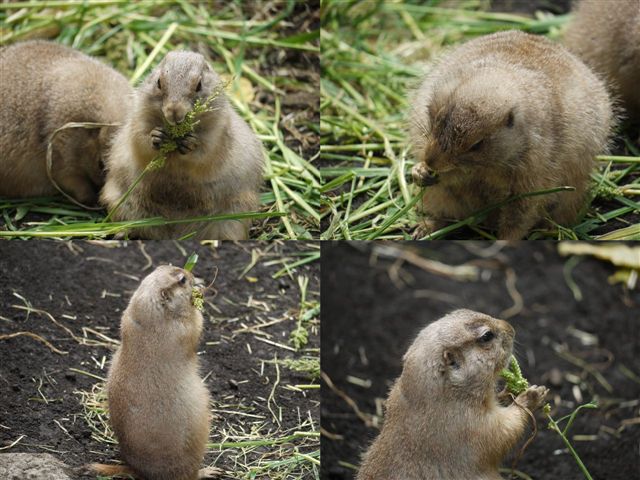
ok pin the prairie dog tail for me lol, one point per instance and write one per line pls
(110, 470)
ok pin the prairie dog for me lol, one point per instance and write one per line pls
(606, 36)
(503, 115)
(216, 170)
(443, 420)
(44, 86)
(158, 406)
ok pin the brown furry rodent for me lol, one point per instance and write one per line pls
(158, 406)
(46, 85)
(503, 115)
(443, 420)
(216, 170)
(606, 36)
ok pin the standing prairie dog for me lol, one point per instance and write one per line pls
(158, 406)
(443, 420)
(44, 86)
(216, 170)
(606, 36)
(505, 115)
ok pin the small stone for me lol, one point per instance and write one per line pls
(33, 466)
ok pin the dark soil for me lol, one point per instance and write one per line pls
(85, 284)
(369, 321)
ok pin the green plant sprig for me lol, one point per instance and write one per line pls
(188, 125)
(309, 366)
(516, 383)
(197, 299)
(299, 336)
(554, 425)
(191, 262)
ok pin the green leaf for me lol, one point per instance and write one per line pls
(191, 262)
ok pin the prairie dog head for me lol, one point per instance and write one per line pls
(161, 316)
(457, 356)
(469, 123)
(164, 299)
(177, 82)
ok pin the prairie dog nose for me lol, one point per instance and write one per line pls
(174, 113)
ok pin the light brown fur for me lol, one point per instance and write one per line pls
(606, 36)
(158, 406)
(443, 420)
(219, 170)
(541, 116)
(46, 85)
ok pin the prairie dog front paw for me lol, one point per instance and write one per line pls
(158, 137)
(426, 227)
(533, 397)
(187, 144)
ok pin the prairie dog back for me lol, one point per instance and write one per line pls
(48, 85)
(606, 36)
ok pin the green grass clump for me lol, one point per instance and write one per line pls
(188, 125)
(373, 53)
(516, 383)
(310, 366)
(239, 39)
(299, 336)
(197, 299)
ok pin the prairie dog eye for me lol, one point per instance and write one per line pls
(182, 279)
(476, 146)
(159, 84)
(487, 337)
(199, 86)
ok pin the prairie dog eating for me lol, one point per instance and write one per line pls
(215, 170)
(443, 420)
(503, 116)
(158, 405)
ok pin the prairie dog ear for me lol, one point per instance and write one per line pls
(450, 360)
(165, 295)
